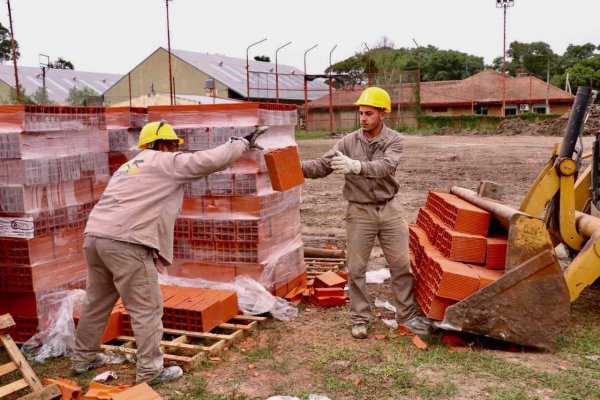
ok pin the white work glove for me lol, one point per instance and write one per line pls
(342, 164)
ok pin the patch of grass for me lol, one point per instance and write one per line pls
(584, 341)
(195, 388)
(435, 390)
(304, 135)
(261, 352)
(509, 394)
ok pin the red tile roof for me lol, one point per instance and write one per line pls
(482, 88)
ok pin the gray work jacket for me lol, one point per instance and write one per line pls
(379, 159)
(144, 196)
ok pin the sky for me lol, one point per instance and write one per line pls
(114, 36)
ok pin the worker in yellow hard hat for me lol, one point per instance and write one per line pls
(130, 232)
(368, 158)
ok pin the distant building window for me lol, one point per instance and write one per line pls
(510, 110)
(439, 109)
(481, 110)
(539, 109)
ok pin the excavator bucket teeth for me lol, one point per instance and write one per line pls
(528, 306)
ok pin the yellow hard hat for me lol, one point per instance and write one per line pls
(375, 97)
(157, 130)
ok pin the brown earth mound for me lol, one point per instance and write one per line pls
(514, 127)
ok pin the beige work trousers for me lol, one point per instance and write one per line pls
(127, 270)
(364, 222)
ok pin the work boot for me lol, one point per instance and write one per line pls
(167, 374)
(418, 325)
(99, 360)
(359, 330)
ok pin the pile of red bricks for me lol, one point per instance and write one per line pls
(451, 254)
(325, 290)
(55, 163)
(53, 169)
(184, 308)
(233, 223)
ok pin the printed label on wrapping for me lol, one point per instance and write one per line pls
(17, 227)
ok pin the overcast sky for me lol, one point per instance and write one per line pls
(114, 36)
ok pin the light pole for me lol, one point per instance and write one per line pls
(169, 50)
(14, 52)
(306, 90)
(330, 94)
(43, 66)
(277, 73)
(504, 4)
(369, 63)
(248, 69)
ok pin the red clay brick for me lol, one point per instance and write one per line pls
(138, 392)
(69, 389)
(284, 167)
(496, 252)
(329, 279)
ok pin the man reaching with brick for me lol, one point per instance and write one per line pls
(128, 232)
(369, 157)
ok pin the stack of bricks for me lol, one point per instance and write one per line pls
(327, 290)
(53, 169)
(451, 254)
(124, 125)
(232, 222)
(184, 308)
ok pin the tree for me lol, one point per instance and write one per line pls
(354, 67)
(262, 58)
(40, 96)
(444, 65)
(5, 45)
(79, 97)
(532, 57)
(384, 43)
(61, 63)
(12, 97)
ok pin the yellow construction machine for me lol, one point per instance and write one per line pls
(530, 304)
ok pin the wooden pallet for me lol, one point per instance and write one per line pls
(188, 348)
(19, 363)
(316, 266)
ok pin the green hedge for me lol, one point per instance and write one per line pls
(476, 121)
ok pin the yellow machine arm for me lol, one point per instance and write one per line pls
(557, 197)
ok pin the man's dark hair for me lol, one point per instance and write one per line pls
(155, 145)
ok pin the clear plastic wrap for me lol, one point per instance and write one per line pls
(253, 298)
(56, 334)
(224, 115)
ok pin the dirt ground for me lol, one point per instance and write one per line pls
(429, 163)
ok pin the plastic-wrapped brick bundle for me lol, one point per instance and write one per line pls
(124, 125)
(232, 222)
(53, 169)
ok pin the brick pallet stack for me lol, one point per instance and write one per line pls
(452, 256)
(53, 169)
(124, 125)
(233, 223)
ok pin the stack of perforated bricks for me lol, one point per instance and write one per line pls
(124, 125)
(184, 308)
(232, 222)
(53, 169)
(452, 255)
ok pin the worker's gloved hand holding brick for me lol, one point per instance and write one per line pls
(251, 138)
(342, 164)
